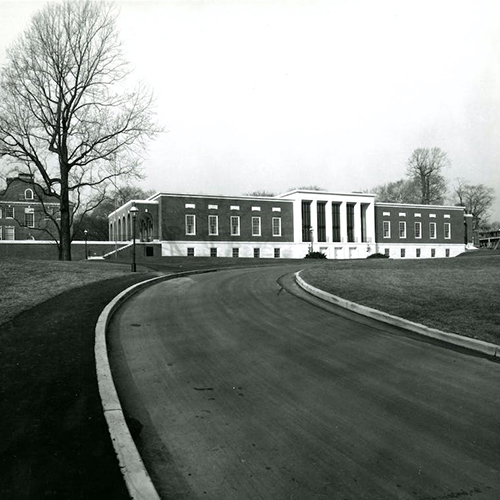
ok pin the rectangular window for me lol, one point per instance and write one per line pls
(403, 252)
(255, 226)
(447, 231)
(10, 233)
(433, 252)
(321, 207)
(213, 225)
(386, 252)
(256, 253)
(336, 222)
(306, 221)
(350, 222)
(418, 230)
(213, 252)
(277, 253)
(29, 219)
(418, 252)
(402, 229)
(190, 225)
(432, 230)
(447, 252)
(386, 231)
(235, 225)
(236, 252)
(213, 207)
(190, 252)
(9, 212)
(276, 226)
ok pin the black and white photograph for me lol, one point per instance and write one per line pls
(250, 249)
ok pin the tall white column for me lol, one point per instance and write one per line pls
(328, 222)
(357, 222)
(343, 222)
(314, 220)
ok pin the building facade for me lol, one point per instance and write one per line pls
(26, 213)
(340, 225)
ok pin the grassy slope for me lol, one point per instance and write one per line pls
(26, 283)
(460, 295)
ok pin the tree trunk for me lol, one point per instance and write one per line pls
(65, 243)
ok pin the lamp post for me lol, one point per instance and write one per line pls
(85, 235)
(134, 210)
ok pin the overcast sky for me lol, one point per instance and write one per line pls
(277, 94)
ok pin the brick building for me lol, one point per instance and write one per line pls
(341, 225)
(26, 213)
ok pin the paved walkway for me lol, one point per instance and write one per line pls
(55, 442)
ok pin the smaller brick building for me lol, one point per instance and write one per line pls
(26, 213)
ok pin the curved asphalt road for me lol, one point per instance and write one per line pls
(245, 391)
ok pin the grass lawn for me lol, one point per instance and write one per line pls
(459, 295)
(26, 283)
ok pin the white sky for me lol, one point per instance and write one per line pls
(276, 94)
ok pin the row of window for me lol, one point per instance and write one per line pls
(234, 225)
(417, 230)
(232, 207)
(235, 252)
(403, 214)
(418, 252)
(29, 219)
(9, 212)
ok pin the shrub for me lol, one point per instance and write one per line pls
(315, 255)
(378, 256)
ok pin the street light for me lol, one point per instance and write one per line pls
(85, 235)
(134, 211)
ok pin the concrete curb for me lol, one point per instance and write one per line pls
(138, 482)
(479, 346)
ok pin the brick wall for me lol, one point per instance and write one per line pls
(175, 208)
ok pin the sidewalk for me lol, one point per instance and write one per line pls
(55, 442)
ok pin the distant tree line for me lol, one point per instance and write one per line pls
(425, 184)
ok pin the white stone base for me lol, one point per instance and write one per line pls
(287, 250)
(425, 250)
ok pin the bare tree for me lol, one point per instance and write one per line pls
(261, 193)
(425, 166)
(477, 200)
(96, 222)
(65, 113)
(402, 191)
(312, 187)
